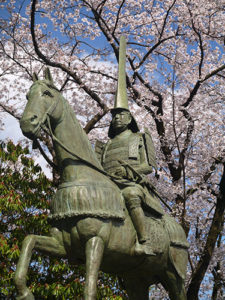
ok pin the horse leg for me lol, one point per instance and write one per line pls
(136, 288)
(174, 284)
(94, 252)
(48, 245)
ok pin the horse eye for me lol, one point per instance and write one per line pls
(47, 93)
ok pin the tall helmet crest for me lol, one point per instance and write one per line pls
(121, 99)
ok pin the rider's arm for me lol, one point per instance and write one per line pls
(144, 167)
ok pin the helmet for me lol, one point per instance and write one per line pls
(121, 100)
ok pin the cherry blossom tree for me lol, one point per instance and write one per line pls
(175, 83)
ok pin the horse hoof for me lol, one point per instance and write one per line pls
(27, 295)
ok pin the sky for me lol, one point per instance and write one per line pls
(11, 129)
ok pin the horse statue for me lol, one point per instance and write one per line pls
(89, 219)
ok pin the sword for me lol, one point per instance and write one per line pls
(143, 180)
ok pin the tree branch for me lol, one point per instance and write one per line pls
(99, 19)
(147, 85)
(199, 82)
(152, 49)
(214, 231)
(190, 130)
(164, 145)
(90, 125)
(200, 43)
(214, 72)
(48, 160)
(9, 111)
(165, 19)
(208, 174)
(76, 78)
(217, 275)
(117, 17)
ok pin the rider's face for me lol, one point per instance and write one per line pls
(121, 120)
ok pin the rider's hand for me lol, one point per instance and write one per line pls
(120, 172)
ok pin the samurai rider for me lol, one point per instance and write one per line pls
(129, 155)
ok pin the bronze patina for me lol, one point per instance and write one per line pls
(130, 155)
(91, 213)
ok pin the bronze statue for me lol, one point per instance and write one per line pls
(90, 221)
(130, 155)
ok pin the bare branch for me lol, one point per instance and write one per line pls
(10, 111)
(15, 60)
(208, 173)
(48, 160)
(90, 125)
(200, 43)
(117, 17)
(190, 130)
(214, 232)
(198, 84)
(219, 282)
(200, 81)
(154, 92)
(76, 78)
(152, 49)
(164, 145)
(214, 72)
(165, 19)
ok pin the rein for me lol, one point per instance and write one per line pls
(54, 138)
(48, 130)
(48, 112)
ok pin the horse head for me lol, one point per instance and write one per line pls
(44, 100)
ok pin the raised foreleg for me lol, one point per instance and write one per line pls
(94, 252)
(48, 245)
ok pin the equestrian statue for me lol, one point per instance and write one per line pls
(105, 213)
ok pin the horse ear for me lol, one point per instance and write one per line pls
(47, 75)
(34, 77)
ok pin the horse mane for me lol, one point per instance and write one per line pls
(89, 197)
(80, 131)
(89, 152)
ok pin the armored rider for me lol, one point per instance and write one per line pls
(129, 155)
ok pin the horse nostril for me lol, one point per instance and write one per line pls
(34, 119)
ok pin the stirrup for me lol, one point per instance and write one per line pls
(143, 249)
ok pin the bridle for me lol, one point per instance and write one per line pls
(48, 129)
(46, 115)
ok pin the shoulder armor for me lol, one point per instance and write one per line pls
(150, 149)
(99, 148)
(134, 146)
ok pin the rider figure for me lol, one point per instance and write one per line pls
(129, 155)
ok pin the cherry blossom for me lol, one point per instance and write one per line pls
(175, 84)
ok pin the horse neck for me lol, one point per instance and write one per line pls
(69, 132)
